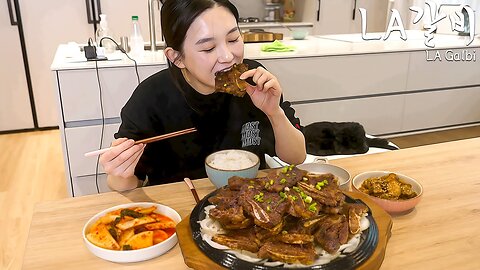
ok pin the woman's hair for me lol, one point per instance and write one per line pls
(176, 18)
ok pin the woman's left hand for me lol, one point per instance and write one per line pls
(266, 94)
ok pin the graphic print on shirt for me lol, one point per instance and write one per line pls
(250, 134)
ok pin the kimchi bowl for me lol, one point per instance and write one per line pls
(134, 255)
(392, 206)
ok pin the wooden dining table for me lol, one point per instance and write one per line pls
(442, 232)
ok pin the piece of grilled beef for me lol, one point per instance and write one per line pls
(289, 253)
(236, 182)
(287, 176)
(332, 231)
(239, 239)
(299, 206)
(223, 196)
(228, 212)
(354, 213)
(266, 208)
(329, 194)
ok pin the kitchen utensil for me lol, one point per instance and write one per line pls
(192, 188)
(124, 44)
(147, 140)
(259, 35)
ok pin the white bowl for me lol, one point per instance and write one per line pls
(321, 168)
(391, 206)
(126, 256)
(219, 177)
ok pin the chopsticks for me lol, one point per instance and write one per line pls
(147, 140)
(192, 188)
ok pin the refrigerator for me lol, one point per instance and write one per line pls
(31, 31)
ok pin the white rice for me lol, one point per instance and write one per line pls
(231, 160)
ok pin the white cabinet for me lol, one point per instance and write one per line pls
(15, 110)
(343, 16)
(442, 108)
(425, 74)
(84, 139)
(340, 76)
(81, 118)
(116, 85)
(388, 93)
(47, 24)
(335, 17)
(378, 115)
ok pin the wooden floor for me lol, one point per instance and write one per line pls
(31, 170)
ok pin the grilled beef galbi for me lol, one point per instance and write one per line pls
(229, 81)
(283, 215)
(239, 239)
(279, 251)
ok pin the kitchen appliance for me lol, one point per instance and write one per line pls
(248, 20)
(260, 35)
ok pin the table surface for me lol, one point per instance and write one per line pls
(442, 232)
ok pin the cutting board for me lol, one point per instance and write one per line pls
(196, 259)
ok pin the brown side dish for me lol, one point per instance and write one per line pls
(388, 187)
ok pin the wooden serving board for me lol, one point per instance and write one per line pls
(196, 259)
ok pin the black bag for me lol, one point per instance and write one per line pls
(343, 138)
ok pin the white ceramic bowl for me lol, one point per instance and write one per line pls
(219, 177)
(126, 256)
(391, 206)
(319, 168)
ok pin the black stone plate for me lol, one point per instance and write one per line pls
(366, 247)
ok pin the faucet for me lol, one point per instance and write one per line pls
(151, 23)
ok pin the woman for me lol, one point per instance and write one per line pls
(202, 38)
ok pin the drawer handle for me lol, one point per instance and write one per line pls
(13, 15)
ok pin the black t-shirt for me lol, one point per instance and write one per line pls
(222, 121)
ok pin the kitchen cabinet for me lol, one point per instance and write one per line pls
(410, 96)
(340, 76)
(343, 16)
(15, 110)
(46, 24)
(445, 108)
(371, 112)
(82, 118)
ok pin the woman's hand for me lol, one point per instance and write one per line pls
(266, 94)
(122, 159)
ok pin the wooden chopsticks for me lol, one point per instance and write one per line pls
(147, 140)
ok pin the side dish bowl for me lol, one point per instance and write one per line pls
(321, 168)
(126, 256)
(219, 174)
(391, 206)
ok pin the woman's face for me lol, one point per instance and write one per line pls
(212, 43)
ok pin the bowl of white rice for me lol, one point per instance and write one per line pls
(222, 165)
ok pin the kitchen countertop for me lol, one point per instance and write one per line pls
(312, 46)
(274, 25)
(440, 233)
